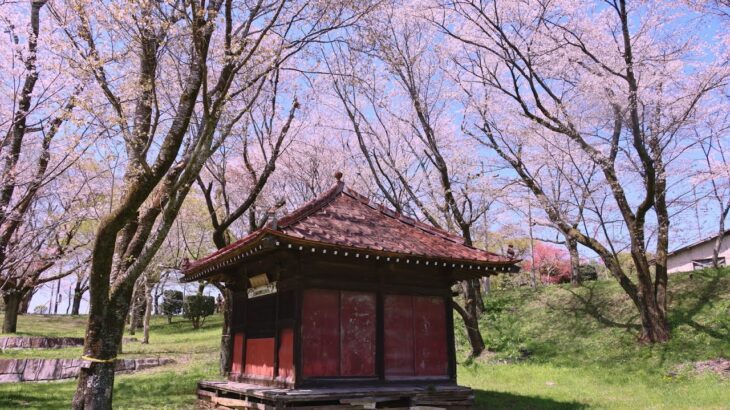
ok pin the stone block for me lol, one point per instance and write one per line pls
(48, 370)
(12, 366)
(32, 367)
(10, 378)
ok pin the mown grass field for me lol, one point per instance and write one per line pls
(166, 387)
(576, 348)
(554, 348)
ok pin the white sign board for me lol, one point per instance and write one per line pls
(262, 290)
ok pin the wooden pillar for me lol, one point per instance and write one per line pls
(276, 329)
(450, 339)
(299, 284)
(380, 325)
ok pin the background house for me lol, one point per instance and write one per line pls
(698, 255)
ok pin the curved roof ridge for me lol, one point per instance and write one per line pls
(311, 207)
(351, 220)
(389, 212)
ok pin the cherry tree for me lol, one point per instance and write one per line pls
(249, 158)
(41, 140)
(617, 81)
(171, 79)
(391, 88)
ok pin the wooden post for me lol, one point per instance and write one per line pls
(380, 326)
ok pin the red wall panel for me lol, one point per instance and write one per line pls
(237, 363)
(357, 334)
(399, 344)
(320, 333)
(286, 354)
(431, 355)
(260, 357)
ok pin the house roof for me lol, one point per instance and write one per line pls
(344, 219)
(697, 243)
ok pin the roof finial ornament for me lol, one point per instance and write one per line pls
(273, 213)
(338, 176)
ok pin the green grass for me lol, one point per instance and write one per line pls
(165, 387)
(554, 348)
(559, 347)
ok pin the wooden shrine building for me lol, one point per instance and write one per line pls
(343, 302)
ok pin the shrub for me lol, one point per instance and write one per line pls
(197, 307)
(587, 272)
(172, 303)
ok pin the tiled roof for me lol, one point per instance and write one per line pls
(342, 218)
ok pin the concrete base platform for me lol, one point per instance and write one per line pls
(232, 395)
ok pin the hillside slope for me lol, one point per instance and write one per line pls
(554, 348)
(559, 347)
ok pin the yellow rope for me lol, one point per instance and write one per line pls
(91, 359)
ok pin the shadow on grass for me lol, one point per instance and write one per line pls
(594, 304)
(694, 302)
(42, 395)
(499, 400)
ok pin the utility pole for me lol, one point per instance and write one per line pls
(532, 244)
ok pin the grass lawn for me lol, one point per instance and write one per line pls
(556, 348)
(165, 387)
(576, 348)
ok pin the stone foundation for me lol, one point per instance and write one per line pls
(35, 342)
(32, 370)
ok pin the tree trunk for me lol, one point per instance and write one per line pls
(147, 314)
(78, 294)
(471, 318)
(226, 339)
(133, 318)
(718, 241)
(648, 297)
(25, 303)
(95, 386)
(654, 324)
(479, 299)
(574, 262)
(12, 302)
(103, 342)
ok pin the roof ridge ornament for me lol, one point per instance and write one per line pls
(273, 213)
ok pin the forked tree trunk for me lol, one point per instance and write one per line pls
(470, 317)
(12, 302)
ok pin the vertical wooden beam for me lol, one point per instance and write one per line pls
(276, 327)
(380, 325)
(297, 362)
(450, 339)
(245, 324)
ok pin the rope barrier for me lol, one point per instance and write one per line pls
(94, 360)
